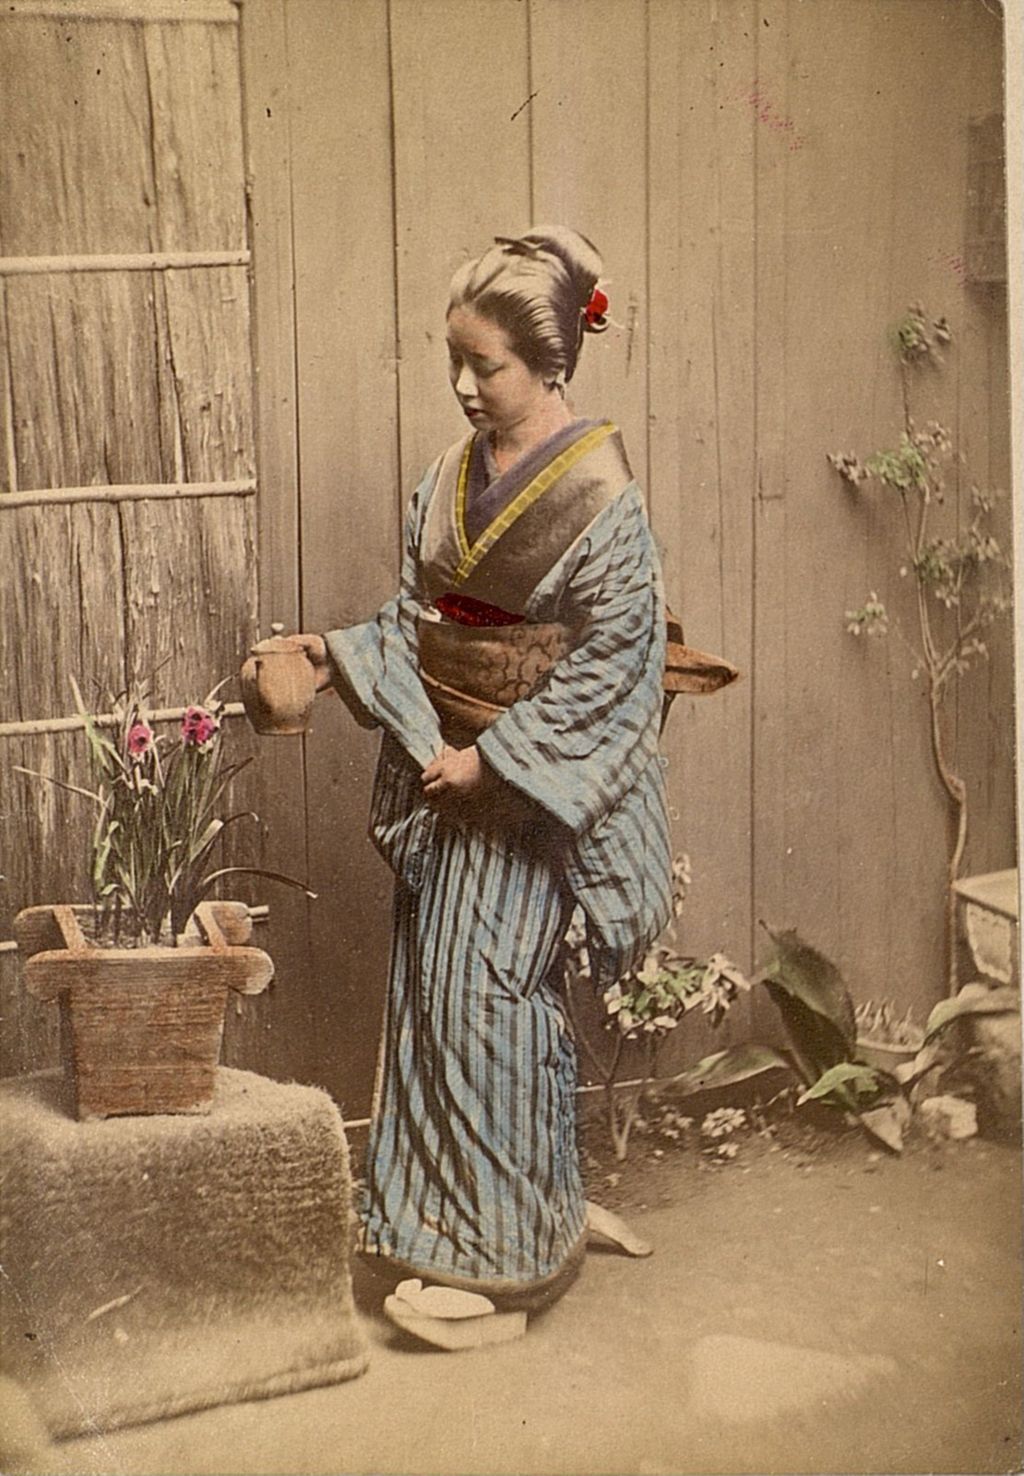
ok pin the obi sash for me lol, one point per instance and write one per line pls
(472, 674)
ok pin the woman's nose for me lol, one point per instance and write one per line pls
(465, 383)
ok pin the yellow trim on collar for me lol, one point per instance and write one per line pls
(460, 498)
(519, 504)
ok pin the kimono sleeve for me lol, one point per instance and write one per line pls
(584, 740)
(375, 665)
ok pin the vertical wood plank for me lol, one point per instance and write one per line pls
(850, 828)
(345, 325)
(588, 71)
(984, 724)
(462, 176)
(272, 1032)
(701, 472)
(769, 651)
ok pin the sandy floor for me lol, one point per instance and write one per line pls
(818, 1309)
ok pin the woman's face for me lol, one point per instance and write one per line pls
(495, 388)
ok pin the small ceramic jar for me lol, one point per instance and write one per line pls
(278, 686)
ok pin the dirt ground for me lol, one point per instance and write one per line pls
(812, 1305)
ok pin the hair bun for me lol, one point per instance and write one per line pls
(579, 256)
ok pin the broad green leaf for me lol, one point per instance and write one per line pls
(862, 1079)
(735, 1063)
(814, 1002)
(995, 1002)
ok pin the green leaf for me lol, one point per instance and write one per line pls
(289, 881)
(735, 1063)
(995, 1002)
(814, 1002)
(863, 1079)
(59, 783)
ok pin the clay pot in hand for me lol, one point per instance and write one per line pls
(278, 686)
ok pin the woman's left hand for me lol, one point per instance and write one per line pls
(457, 773)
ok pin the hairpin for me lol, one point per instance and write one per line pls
(519, 247)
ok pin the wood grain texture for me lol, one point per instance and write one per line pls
(141, 1028)
(75, 145)
(852, 827)
(93, 399)
(461, 178)
(30, 1037)
(701, 245)
(131, 141)
(588, 66)
(350, 498)
(189, 593)
(272, 1033)
(195, 123)
(771, 183)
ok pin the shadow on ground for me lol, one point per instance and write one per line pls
(803, 1312)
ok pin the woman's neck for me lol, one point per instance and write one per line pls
(510, 444)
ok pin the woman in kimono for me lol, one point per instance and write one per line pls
(517, 678)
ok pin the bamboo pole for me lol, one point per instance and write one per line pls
(124, 261)
(7, 379)
(210, 12)
(128, 492)
(30, 728)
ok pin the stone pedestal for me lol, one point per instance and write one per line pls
(160, 1264)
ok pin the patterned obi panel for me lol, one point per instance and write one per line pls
(473, 673)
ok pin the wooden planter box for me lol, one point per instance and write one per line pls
(141, 1028)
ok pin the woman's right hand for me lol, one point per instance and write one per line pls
(315, 648)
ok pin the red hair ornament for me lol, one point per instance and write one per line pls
(595, 310)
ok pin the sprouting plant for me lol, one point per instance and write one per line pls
(647, 1005)
(157, 825)
(879, 1021)
(961, 581)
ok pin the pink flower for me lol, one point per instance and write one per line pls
(197, 727)
(140, 739)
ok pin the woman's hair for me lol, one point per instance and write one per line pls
(536, 287)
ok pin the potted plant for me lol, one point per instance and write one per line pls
(141, 975)
(885, 1038)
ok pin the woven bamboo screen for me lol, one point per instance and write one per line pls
(127, 528)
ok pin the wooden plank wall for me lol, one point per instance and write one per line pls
(770, 181)
(116, 138)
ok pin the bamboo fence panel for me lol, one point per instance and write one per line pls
(119, 377)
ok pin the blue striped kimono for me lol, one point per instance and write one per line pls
(473, 1175)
